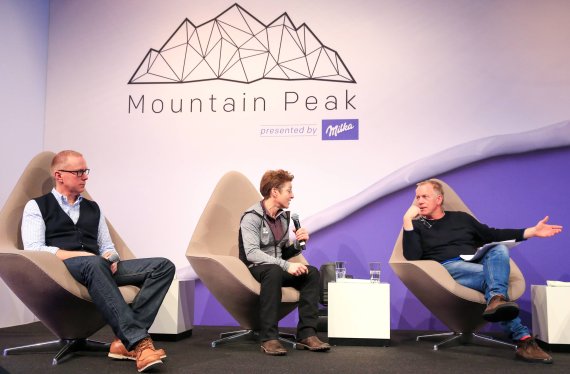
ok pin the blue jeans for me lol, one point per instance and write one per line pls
(491, 276)
(129, 323)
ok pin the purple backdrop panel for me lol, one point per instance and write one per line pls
(508, 191)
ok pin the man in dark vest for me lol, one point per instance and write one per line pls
(73, 228)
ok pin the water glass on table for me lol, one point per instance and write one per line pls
(375, 272)
(340, 270)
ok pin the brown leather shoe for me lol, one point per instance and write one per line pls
(161, 352)
(118, 351)
(529, 351)
(312, 343)
(499, 309)
(146, 356)
(273, 347)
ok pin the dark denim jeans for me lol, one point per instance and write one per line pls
(491, 276)
(152, 275)
(272, 278)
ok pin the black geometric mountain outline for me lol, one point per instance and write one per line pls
(235, 46)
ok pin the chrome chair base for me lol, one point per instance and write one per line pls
(240, 335)
(65, 347)
(458, 338)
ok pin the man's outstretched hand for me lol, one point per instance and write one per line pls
(542, 230)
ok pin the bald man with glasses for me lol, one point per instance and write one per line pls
(73, 228)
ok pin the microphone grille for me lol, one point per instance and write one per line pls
(295, 216)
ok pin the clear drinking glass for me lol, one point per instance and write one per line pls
(340, 269)
(375, 272)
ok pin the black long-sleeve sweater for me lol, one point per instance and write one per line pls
(455, 234)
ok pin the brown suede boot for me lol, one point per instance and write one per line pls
(313, 343)
(273, 347)
(529, 351)
(499, 309)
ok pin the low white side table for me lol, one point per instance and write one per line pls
(359, 313)
(551, 315)
(175, 317)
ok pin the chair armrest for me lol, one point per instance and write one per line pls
(300, 259)
(517, 284)
(53, 267)
(223, 266)
(419, 273)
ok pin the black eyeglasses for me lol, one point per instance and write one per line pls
(78, 173)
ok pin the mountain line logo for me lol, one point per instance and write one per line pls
(235, 46)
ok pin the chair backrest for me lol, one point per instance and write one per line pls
(213, 252)
(217, 229)
(40, 279)
(35, 181)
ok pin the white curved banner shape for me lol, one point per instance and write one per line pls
(552, 136)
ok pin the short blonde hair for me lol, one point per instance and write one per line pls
(437, 187)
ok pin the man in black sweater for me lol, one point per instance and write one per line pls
(430, 233)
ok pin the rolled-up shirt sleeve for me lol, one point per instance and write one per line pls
(104, 240)
(34, 229)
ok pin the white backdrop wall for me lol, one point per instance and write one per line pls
(429, 75)
(23, 59)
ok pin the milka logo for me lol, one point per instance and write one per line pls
(340, 129)
(337, 129)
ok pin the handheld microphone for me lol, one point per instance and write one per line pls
(114, 257)
(295, 219)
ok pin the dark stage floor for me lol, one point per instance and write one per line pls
(194, 355)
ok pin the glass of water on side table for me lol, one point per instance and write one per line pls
(375, 272)
(340, 270)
